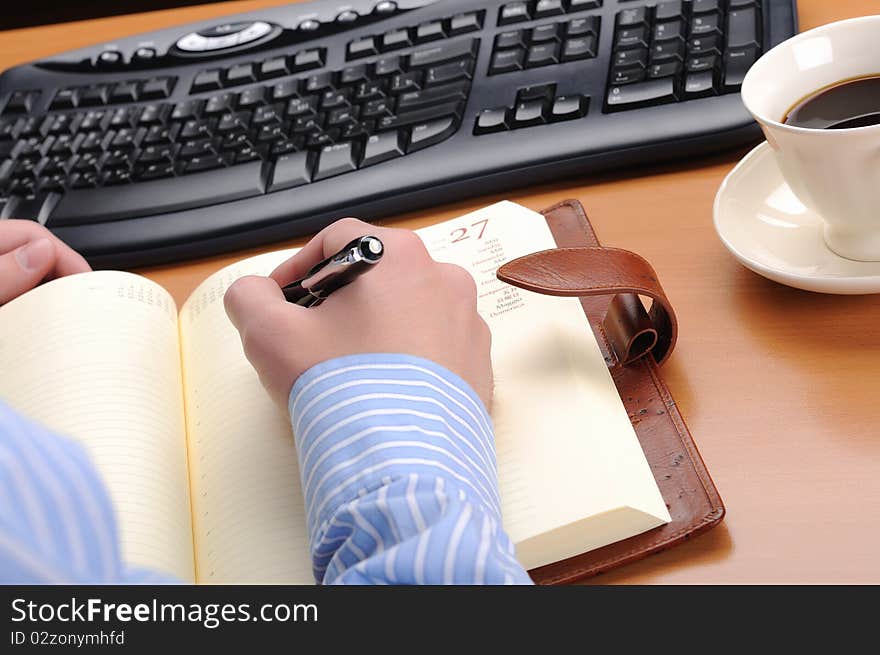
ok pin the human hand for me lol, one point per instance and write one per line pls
(29, 254)
(410, 304)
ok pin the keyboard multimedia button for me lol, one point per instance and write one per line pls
(385, 7)
(382, 147)
(65, 99)
(396, 39)
(431, 132)
(505, 61)
(665, 69)
(705, 24)
(627, 75)
(633, 37)
(705, 6)
(93, 96)
(347, 17)
(698, 45)
(514, 12)
(124, 92)
(673, 29)
(632, 17)
(308, 25)
(257, 30)
(491, 120)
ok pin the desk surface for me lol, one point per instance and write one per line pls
(779, 386)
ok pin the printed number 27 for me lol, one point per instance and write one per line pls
(462, 232)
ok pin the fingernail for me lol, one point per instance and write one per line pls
(33, 256)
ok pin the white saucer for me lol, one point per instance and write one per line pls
(769, 231)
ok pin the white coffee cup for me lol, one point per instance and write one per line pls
(835, 173)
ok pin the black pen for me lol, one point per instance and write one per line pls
(335, 272)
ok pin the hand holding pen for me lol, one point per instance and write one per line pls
(406, 304)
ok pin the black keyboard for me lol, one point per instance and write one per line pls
(257, 127)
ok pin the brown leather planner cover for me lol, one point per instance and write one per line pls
(608, 282)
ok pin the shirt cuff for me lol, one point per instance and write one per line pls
(363, 421)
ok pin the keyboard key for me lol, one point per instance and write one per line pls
(699, 45)
(388, 65)
(97, 95)
(665, 69)
(157, 88)
(544, 33)
(172, 194)
(634, 37)
(429, 133)
(698, 84)
(514, 12)
(218, 104)
(704, 63)
(542, 55)
(582, 5)
(669, 10)
(292, 170)
(319, 82)
(448, 92)
(705, 6)
(301, 106)
(308, 59)
(491, 120)
(464, 23)
(382, 147)
(669, 30)
(205, 163)
(504, 61)
(456, 70)
(353, 75)
(627, 75)
(742, 28)
(240, 74)
(705, 24)
(737, 62)
(529, 112)
(432, 31)
(626, 58)
(544, 8)
(651, 92)
(65, 99)
(275, 67)
(447, 51)
(21, 102)
(419, 116)
(632, 17)
(285, 89)
(377, 108)
(512, 39)
(395, 40)
(582, 26)
(569, 107)
(363, 47)
(124, 92)
(208, 80)
(369, 91)
(406, 82)
(336, 159)
(666, 51)
(579, 48)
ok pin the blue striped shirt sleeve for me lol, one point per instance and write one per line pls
(399, 475)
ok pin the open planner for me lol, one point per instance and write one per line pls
(202, 468)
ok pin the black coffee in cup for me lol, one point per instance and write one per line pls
(849, 103)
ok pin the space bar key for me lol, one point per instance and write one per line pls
(113, 203)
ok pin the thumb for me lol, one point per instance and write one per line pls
(23, 268)
(253, 299)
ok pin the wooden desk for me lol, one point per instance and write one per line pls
(780, 387)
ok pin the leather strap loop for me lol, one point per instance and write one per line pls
(593, 271)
